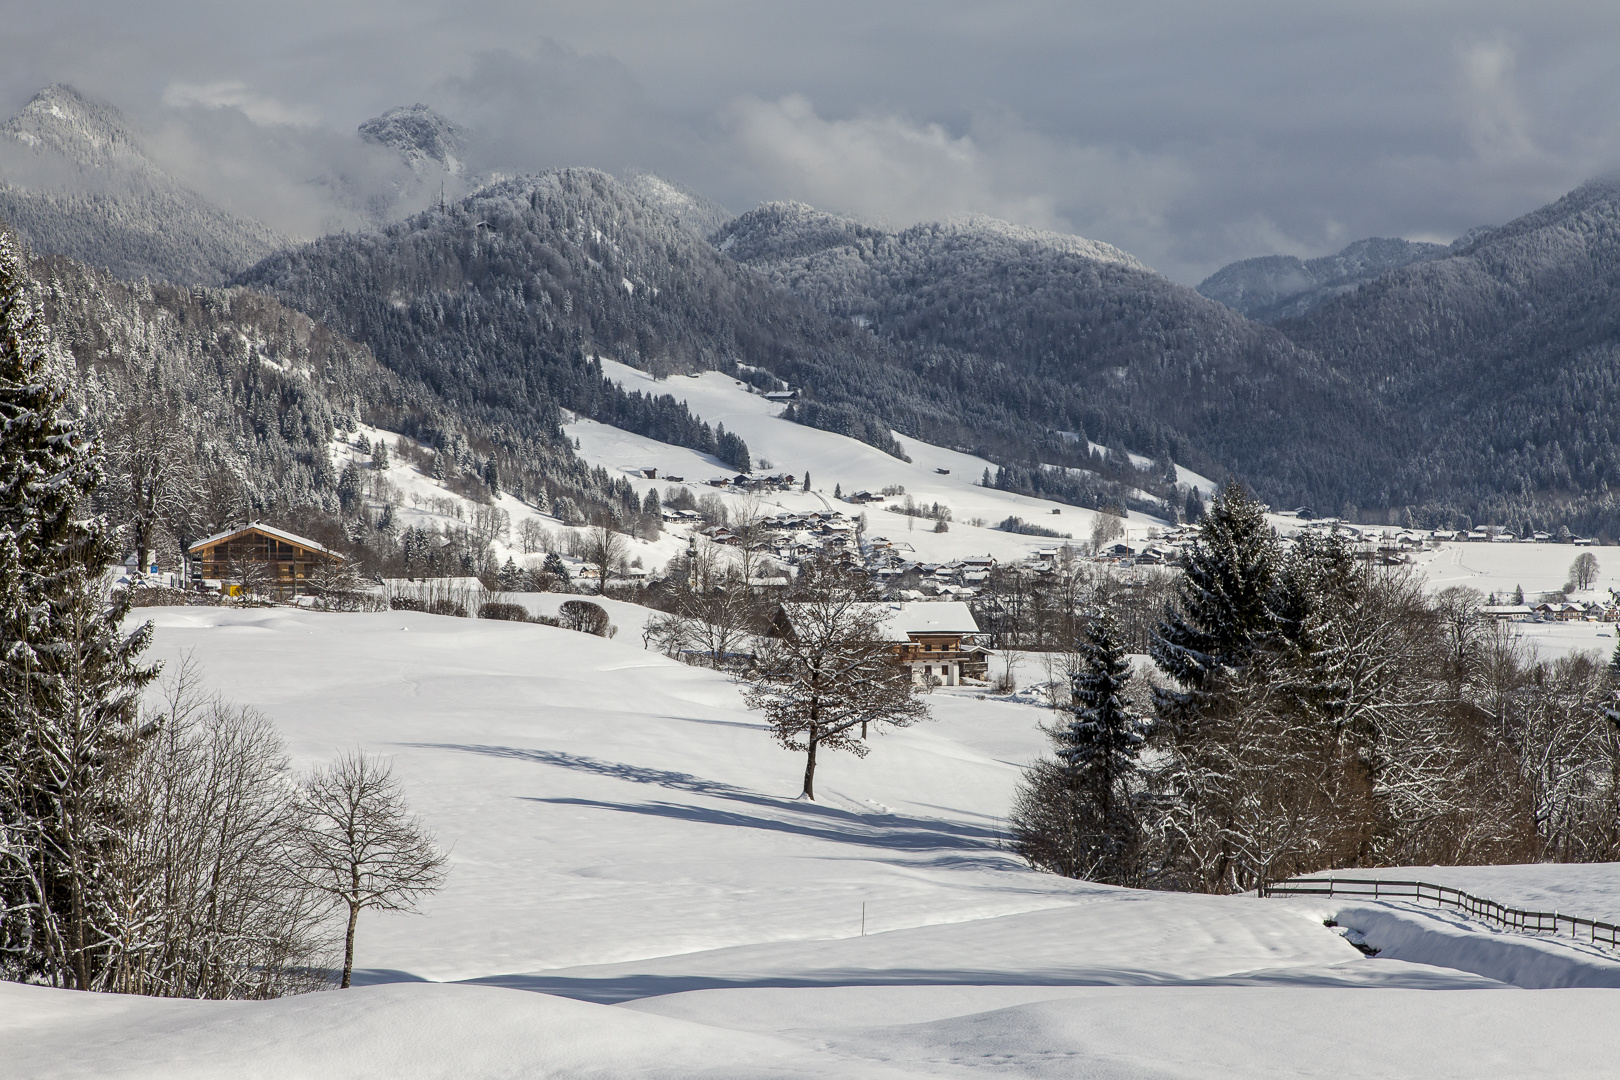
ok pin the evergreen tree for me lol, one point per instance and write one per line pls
(379, 456)
(807, 481)
(1076, 813)
(70, 680)
(511, 577)
(1193, 511)
(1518, 594)
(1224, 597)
(492, 476)
(1100, 745)
(351, 486)
(838, 491)
(555, 567)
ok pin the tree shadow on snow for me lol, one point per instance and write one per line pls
(617, 770)
(890, 831)
(614, 989)
(801, 817)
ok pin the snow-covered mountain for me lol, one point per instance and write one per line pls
(1489, 372)
(1274, 287)
(1024, 335)
(426, 140)
(76, 180)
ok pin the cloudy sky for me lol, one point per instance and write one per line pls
(1188, 132)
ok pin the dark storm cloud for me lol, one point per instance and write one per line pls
(1187, 133)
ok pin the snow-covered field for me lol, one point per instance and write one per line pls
(635, 893)
(1500, 568)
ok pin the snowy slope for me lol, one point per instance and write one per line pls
(836, 461)
(425, 503)
(622, 833)
(605, 803)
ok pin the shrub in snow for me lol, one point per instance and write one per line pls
(503, 612)
(584, 616)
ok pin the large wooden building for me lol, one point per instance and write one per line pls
(288, 560)
(928, 637)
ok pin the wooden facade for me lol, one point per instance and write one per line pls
(927, 638)
(288, 560)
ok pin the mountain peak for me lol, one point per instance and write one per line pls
(81, 129)
(1273, 287)
(423, 137)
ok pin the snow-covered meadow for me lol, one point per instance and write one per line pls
(634, 892)
(934, 474)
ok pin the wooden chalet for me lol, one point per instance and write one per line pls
(927, 637)
(289, 560)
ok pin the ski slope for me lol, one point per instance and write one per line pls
(635, 892)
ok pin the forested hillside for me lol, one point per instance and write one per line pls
(1468, 385)
(76, 181)
(1036, 334)
(218, 405)
(498, 303)
(1275, 287)
(1497, 370)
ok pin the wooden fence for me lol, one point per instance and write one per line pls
(1509, 918)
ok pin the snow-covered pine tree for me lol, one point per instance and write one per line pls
(70, 680)
(1223, 612)
(511, 577)
(1611, 707)
(1193, 511)
(1102, 741)
(1076, 813)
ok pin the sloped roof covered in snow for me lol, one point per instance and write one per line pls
(259, 527)
(903, 621)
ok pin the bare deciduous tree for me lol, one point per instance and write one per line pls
(832, 673)
(202, 901)
(338, 585)
(1105, 527)
(359, 845)
(533, 536)
(605, 550)
(1583, 572)
(151, 473)
(250, 576)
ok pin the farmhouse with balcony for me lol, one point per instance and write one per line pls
(927, 637)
